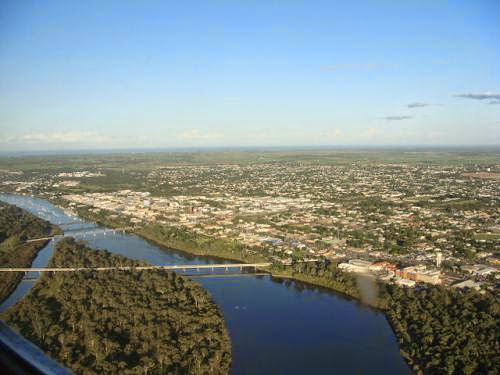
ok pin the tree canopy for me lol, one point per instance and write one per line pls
(127, 322)
(16, 226)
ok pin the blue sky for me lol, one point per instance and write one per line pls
(115, 74)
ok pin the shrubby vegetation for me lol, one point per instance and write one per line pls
(103, 217)
(324, 274)
(16, 226)
(440, 331)
(126, 322)
(446, 331)
(180, 238)
(197, 244)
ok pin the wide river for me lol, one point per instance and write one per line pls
(276, 326)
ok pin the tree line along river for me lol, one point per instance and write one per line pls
(276, 326)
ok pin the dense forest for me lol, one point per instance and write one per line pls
(126, 322)
(16, 226)
(440, 331)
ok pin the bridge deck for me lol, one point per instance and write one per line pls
(83, 230)
(40, 239)
(139, 268)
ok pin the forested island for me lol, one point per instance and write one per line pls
(17, 226)
(125, 322)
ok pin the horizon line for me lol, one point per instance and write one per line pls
(201, 149)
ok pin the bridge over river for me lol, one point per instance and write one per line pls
(142, 268)
(290, 322)
(79, 232)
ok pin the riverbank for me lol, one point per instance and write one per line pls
(261, 312)
(16, 225)
(428, 322)
(198, 245)
(174, 238)
(24, 257)
(179, 241)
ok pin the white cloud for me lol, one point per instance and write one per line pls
(56, 137)
(197, 134)
(55, 140)
(371, 132)
(333, 134)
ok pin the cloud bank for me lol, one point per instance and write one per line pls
(197, 134)
(397, 118)
(417, 105)
(56, 137)
(479, 96)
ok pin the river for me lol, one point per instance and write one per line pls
(276, 326)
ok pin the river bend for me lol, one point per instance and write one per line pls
(276, 326)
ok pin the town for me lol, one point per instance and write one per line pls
(401, 222)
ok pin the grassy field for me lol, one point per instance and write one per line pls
(140, 161)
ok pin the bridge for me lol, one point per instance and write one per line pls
(83, 231)
(43, 238)
(224, 275)
(71, 223)
(141, 268)
(96, 230)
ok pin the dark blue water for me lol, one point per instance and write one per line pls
(276, 326)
